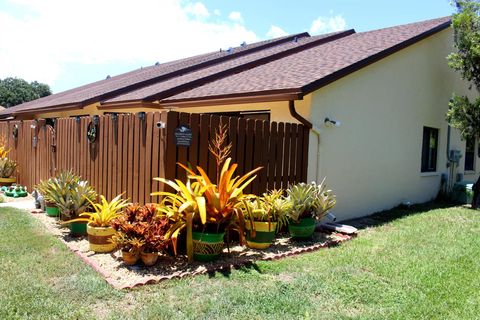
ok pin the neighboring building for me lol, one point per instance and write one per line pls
(389, 88)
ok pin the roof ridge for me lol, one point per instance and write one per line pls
(406, 24)
(248, 65)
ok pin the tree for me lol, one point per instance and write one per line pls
(15, 91)
(464, 114)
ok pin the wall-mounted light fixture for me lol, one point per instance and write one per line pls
(141, 115)
(332, 123)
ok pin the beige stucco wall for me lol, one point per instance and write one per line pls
(278, 110)
(373, 160)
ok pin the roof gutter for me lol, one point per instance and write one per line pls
(314, 129)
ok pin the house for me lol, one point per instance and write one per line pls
(375, 102)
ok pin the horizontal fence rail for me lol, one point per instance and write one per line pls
(129, 150)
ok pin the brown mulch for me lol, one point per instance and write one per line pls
(121, 276)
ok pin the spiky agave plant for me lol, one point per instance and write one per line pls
(104, 213)
(310, 201)
(272, 206)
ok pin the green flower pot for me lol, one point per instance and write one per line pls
(302, 230)
(78, 229)
(264, 234)
(207, 246)
(52, 211)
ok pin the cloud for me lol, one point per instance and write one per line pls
(276, 32)
(236, 16)
(216, 12)
(198, 10)
(328, 24)
(49, 35)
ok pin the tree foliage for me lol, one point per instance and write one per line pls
(463, 113)
(15, 91)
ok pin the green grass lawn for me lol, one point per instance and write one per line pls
(423, 264)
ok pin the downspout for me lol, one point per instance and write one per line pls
(314, 129)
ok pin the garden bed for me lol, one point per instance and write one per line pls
(120, 276)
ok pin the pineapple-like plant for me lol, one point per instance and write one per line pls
(310, 201)
(69, 193)
(7, 166)
(272, 206)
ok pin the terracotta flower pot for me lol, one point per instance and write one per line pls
(99, 238)
(130, 258)
(149, 258)
(264, 234)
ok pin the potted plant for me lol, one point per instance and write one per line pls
(141, 233)
(7, 169)
(206, 209)
(98, 223)
(7, 166)
(310, 202)
(46, 189)
(264, 216)
(72, 197)
(130, 247)
(66, 195)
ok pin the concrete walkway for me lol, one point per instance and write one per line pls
(22, 204)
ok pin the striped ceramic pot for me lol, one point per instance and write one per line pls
(261, 235)
(99, 238)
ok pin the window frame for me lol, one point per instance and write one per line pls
(429, 154)
(473, 141)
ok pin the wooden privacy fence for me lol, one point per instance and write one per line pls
(31, 146)
(131, 149)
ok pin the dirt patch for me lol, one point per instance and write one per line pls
(120, 276)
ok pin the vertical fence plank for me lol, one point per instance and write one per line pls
(149, 127)
(280, 151)
(193, 150)
(119, 169)
(203, 141)
(272, 154)
(257, 155)
(241, 133)
(286, 155)
(171, 148)
(291, 170)
(182, 151)
(156, 141)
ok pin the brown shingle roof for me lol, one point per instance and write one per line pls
(296, 64)
(229, 67)
(312, 68)
(103, 89)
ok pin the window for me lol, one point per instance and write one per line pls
(429, 149)
(470, 155)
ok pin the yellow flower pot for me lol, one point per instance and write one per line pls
(7, 181)
(263, 236)
(99, 238)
